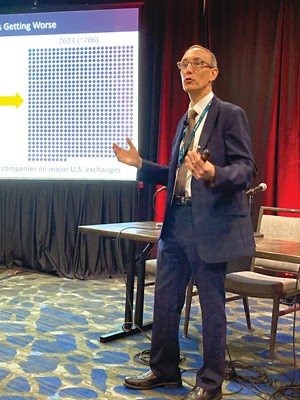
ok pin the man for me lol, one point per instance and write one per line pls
(206, 224)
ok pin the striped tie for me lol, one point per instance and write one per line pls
(182, 172)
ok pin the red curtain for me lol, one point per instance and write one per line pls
(256, 44)
(288, 131)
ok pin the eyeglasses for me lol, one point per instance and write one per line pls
(195, 64)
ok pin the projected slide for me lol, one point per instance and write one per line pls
(68, 89)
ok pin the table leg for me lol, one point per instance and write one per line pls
(128, 329)
(140, 289)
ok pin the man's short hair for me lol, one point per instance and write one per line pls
(213, 60)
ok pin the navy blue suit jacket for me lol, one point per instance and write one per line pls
(222, 223)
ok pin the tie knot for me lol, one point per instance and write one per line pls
(192, 114)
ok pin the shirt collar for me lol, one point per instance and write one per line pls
(199, 107)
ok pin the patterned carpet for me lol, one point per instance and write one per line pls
(50, 348)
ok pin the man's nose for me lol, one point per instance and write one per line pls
(189, 67)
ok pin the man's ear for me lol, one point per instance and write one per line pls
(214, 72)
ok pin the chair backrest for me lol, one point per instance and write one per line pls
(278, 223)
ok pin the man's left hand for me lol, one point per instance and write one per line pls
(199, 168)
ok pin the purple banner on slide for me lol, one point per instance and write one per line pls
(68, 22)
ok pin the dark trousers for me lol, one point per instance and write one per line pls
(177, 261)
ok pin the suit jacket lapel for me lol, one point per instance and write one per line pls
(209, 123)
(178, 137)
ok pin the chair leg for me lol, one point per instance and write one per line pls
(247, 312)
(275, 315)
(188, 302)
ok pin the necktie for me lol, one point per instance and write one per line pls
(182, 172)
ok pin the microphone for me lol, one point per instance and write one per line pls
(260, 188)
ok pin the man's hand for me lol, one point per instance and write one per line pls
(128, 156)
(199, 168)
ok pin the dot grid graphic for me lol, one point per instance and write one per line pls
(80, 100)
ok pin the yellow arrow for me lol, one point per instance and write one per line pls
(15, 101)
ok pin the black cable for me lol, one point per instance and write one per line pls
(259, 375)
(254, 375)
(144, 358)
(140, 356)
(154, 197)
(286, 392)
(291, 390)
(17, 272)
(121, 260)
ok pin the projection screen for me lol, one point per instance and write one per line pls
(68, 89)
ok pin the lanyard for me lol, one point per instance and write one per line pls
(184, 149)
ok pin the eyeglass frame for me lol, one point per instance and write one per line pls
(203, 64)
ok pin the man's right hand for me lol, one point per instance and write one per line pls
(128, 156)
